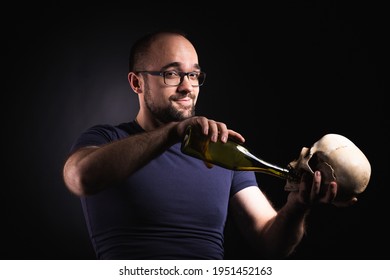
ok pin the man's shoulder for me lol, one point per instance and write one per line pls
(121, 129)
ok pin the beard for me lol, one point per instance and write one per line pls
(170, 113)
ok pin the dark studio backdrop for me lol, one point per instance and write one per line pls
(283, 76)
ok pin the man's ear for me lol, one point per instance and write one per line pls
(134, 82)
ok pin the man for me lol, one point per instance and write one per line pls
(144, 199)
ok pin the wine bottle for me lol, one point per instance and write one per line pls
(231, 155)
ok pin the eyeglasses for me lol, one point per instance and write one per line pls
(175, 78)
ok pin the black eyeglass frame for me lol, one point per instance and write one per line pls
(181, 74)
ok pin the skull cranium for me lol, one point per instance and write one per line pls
(338, 159)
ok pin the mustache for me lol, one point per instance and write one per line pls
(181, 96)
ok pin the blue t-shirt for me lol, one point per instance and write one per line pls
(174, 207)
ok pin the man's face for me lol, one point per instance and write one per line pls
(164, 102)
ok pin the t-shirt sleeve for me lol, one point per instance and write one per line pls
(242, 180)
(95, 136)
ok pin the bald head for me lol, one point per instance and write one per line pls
(161, 48)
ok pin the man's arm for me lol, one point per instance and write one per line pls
(92, 169)
(277, 233)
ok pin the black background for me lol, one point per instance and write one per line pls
(282, 75)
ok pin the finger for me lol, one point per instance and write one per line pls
(316, 186)
(222, 131)
(304, 190)
(203, 123)
(330, 193)
(213, 130)
(237, 136)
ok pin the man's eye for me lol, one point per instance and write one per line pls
(171, 74)
(193, 75)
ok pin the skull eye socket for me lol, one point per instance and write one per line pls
(313, 161)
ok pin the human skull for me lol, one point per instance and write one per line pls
(338, 159)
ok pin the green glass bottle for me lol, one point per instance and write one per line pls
(231, 155)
